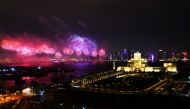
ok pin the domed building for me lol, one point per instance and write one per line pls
(139, 64)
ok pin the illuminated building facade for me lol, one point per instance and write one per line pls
(139, 64)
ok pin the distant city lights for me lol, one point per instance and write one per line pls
(39, 67)
(152, 57)
(27, 92)
(13, 69)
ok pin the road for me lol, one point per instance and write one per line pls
(93, 78)
(157, 86)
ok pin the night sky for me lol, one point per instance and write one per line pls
(117, 24)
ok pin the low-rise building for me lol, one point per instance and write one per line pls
(139, 64)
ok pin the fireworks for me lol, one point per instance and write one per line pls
(101, 52)
(26, 51)
(67, 51)
(28, 45)
(58, 55)
(81, 45)
(10, 45)
(86, 52)
(94, 53)
(46, 49)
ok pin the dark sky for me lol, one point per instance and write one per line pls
(138, 24)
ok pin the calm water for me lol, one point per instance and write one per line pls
(71, 70)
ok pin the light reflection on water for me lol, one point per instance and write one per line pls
(75, 70)
(7, 84)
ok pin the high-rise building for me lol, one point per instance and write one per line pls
(129, 54)
(185, 56)
(124, 54)
(162, 55)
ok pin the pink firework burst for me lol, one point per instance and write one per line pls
(58, 55)
(101, 52)
(67, 51)
(94, 53)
